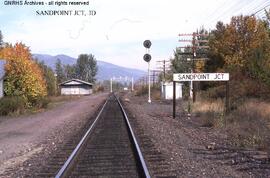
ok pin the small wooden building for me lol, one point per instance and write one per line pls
(76, 87)
(2, 74)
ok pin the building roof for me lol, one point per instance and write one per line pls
(75, 82)
(2, 68)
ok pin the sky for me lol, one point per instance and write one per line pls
(117, 31)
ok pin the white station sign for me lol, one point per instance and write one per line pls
(182, 77)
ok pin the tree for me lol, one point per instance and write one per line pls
(86, 67)
(180, 62)
(23, 76)
(70, 71)
(48, 75)
(216, 53)
(242, 48)
(235, 42)
(59, 69)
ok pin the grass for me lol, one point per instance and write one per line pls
(61, 98)
(57, 100)
(143, 90)
(211, 112)
(15, 106)
(248, 125)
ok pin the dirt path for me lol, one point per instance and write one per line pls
(190, 149)
(23, 137)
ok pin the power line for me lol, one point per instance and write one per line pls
(237, 7)
(228, 11)
(261, 9)
(250, 7)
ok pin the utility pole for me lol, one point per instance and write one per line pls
(132, 84)
(193, 66)
(154, 76)
(163, 65)
(195, 45)
(56, 85)
(111, 84)
(164, 72)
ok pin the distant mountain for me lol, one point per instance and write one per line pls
(51, 60)
(106, 70)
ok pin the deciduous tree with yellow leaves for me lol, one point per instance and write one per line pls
(242, 48)
(23, 76)
(240, 43)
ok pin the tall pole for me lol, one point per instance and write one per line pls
(193, 66)
(164, 72)
(149, 89)
(111, 85)
(191, 89)
(227, 101)
(153, 78)
(194, 47)
(174, 98)
(132, 84)
(56, 88)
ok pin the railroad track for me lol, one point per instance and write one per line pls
(108, 149)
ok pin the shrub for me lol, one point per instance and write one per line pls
(214, 93)
(41, 102)
(9, 105)
(156, 94)
(143, 90)
(99, 88)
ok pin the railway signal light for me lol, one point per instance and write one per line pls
(147, 44)
(147, 57)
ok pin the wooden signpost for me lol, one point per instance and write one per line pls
(184, 77)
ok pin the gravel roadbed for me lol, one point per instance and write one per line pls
(190, 149)
(27, 142)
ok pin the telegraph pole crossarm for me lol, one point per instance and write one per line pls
(195, 45)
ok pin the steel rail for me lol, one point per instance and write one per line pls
(138, 150)
(64, 168)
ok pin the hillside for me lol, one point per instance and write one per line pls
(105, 70)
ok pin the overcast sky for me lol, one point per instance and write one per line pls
(116, 33)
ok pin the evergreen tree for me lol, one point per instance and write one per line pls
(181, 63)
(59, 69)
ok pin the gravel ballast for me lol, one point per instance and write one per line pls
(190, 149)
(26, 142)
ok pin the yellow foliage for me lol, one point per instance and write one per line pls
(23, 75)
(235, 41)
(199, 66)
